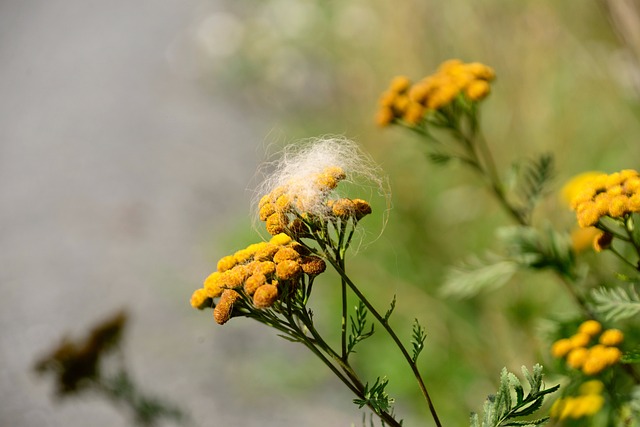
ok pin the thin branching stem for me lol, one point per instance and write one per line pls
(393, 336)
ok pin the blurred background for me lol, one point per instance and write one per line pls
(130, 133)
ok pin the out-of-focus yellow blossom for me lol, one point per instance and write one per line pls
(576, 184)
(579, 340)
(583, 238)
(590, 327)
(615, 195)
(591, 360)
(411, 102)
(611, 337)
(561, 348)
(588, 402)
(577, 357)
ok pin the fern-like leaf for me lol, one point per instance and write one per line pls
(616, 303)
(535, 175)
(500, 410)
(478, 275)
(417, 340)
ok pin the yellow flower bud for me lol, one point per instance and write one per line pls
(280, 239)
(276, 223)
(313, 265)
(561, 347)
(478, 90)
(590, 327)
(200, 299)
(288, 270)
(224, 310)
(226, 263)
(213, 285)
(577, 357)
(400, 84)
(254, 282)
(611, 337)
(265, 296)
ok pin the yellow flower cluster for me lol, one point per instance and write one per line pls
(614, 195)
(409, 102)
(261, 271)
(590, 359)
(588, 402)
(283, 208)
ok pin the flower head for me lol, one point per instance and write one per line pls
(410, 103)
(594, 196)
(303, 186)
(590, 359)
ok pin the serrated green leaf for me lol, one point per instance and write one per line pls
(499, 409)
(616, 303)
(418, 336)
(534, 176)
(478, 275)
(392, 306)
(538, 249)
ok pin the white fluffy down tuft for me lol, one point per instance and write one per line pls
(298, 164)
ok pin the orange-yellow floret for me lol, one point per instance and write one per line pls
(243, 255)
(200, 299)
(254, 282)
(226, 263)
(285, 253)
(611, 337)
(577, 357)
(590, 327)
(313, 265)
(266, 252)
(579, 339)
(399, 84)
(276, 223)
(266, 211)
(343, 208)
(288, 270)
(265, 296)
(362, 208)
(265, 267)
(561, 347)
(224, 310)
(587, 403)
(478, 90)
(213, 284)
(280, 239)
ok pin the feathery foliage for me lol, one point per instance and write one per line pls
(616, 303)
(502, 410)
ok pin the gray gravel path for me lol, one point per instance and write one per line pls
(115, 176)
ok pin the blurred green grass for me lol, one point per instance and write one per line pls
(560, 88)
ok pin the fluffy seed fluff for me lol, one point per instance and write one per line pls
(300, 165)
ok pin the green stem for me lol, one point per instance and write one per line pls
(349, 378)
(393, 336)
(622, 258)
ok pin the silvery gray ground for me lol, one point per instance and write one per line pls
(116, 174)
